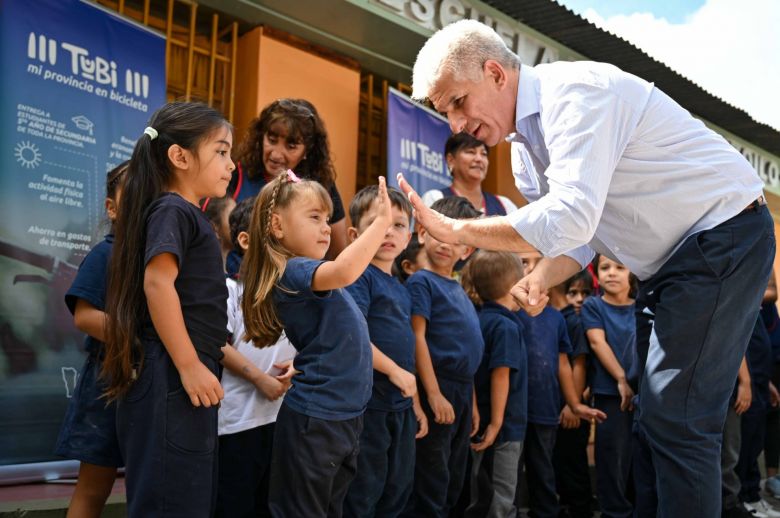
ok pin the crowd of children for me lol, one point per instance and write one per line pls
(382, 382)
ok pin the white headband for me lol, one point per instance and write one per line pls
(151, 132)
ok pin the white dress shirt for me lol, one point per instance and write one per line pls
(612, 164)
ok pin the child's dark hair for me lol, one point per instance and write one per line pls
(114, 179)
(490, 275)
(456, 207)
(148, 176)
(239, 221)
(214, 209)
(300, 122)
(410, 253)
(460, 141)
(366, 196)
(633, 280)
(583, 277)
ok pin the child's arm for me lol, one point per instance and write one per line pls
(602, 350)
(239, 365)
(744, 390)
(573, 399)
(499, 393)
(443, 413)
(165, 309)
(568, 419)
(422, 419)
(474, 412)
(353, 260)
(90, 320)
(399, 377)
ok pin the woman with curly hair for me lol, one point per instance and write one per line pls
(289, 134)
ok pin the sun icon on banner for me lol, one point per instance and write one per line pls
(28, 155)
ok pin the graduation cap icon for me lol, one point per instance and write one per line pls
(83, 123)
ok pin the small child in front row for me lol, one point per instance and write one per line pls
(88, 431)
(449, 349)
(254, 382)
(549, 377)
(501, 384)
(610, 324)
(384, 476)
(288, 286)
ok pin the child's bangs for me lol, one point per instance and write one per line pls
(315, 192)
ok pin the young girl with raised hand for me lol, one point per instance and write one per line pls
(288, 286)
(167, 312)
(88, 431)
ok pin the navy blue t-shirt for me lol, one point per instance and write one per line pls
(385, 303)
(545, 338)
(176, 226)
(619, 325)
(334, 350)
(502, 331)
(579, 341)
(90, 284)
(452, 333)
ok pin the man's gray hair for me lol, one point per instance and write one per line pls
(459, 50)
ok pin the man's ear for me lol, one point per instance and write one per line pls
(179, 157)
(352, 234)
(495, 72)
(243, 240)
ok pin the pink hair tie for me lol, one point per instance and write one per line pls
(292, 176)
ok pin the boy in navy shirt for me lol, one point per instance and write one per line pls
(449, 349)
(549, 375)
(384, 476)
(501, 384)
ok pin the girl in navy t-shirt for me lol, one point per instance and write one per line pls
(288, 286)
(88, 431)
(611, 329)
(167, 312)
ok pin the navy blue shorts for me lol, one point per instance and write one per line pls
(88, 431)
(170, 445)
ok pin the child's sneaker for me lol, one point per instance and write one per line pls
(772, 486)
(761, 508)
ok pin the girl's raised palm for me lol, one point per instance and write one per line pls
(383, 205)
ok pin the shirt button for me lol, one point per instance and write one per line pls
(617, 249)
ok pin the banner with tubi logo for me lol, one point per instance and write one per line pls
(415, 144)
(78, 86)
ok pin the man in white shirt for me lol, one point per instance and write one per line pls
(613, 165)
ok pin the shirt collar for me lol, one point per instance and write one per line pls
(527, 103)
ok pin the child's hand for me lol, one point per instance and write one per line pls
(201, 385)
(568, 419)
(583, 411)
(271, 387)
(422, 420)
(383, 205)
(491, 432)
(288, 371)
(405, 381)
(626, 395)
(443, 413)
(774, 395)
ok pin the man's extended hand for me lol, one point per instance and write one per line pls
(439, 226)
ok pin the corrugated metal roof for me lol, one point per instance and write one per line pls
(573, 31)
